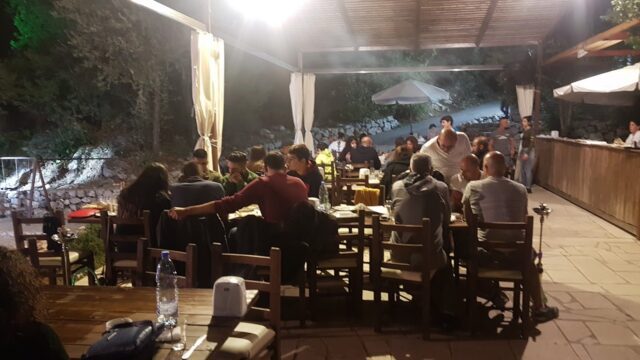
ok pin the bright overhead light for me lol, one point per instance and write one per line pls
(273, 12)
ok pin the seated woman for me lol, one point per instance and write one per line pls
(150, 191)
(345, 155)
(300, 165)
(256, 159)
(23, 335)
(399, 164)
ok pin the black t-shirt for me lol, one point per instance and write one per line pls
(313, 179)
(363, 154)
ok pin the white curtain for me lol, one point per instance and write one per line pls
(296, 93)
(309, 104)
(207, 82)
(525, 99)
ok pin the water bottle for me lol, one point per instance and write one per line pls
(166, 292)
(324, 197)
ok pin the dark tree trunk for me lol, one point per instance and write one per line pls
(155, 125)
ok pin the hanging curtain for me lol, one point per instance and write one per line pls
(309, 104)
(525, 99)
(295, 91)
(207, 82)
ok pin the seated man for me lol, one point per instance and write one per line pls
(201, 158)
(366, 153)
(480, 148)
(498, 199)
(193, 189)
(446, 151)
(275, 194)
(469, 171)
(239, 176)
(301, 165)
(419, 196)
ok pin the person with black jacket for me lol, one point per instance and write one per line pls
(366, 153)
(398, 164)
(302, 166)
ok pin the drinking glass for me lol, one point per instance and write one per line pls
(182, 332)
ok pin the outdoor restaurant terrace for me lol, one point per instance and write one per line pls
(526, 248)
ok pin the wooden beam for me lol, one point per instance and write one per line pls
(612, 53)
(418, 28)
(347, 23)
(406, 47)
(486, 21)
(405, 69)
(171, 14)
(605, 35)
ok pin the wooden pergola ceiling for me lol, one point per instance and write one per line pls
(361, 25)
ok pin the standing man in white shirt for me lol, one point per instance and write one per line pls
(634, 137)
(447, 150)
(338, 145)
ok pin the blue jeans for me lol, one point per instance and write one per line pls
(526, 167)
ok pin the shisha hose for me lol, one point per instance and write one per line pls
(542, 210)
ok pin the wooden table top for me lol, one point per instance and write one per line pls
(78, 315)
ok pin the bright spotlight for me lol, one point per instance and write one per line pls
(273, 12)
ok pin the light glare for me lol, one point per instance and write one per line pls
(273, 12)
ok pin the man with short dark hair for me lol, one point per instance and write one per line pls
(338, 145)
(201, 157)
(193, 189)
(366, 153)
(446, 122)
(480, 148)
(302, 166)
(275, 193)
(499, 199)
(239, 176)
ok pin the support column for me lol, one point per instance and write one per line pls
(538, 91)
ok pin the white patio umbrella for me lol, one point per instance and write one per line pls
(410, 92)
(617, 87)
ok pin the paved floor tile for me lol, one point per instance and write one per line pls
(574, 331)
(592, 300)
(481, 350)
(581, 351)
(603, 352)
(632, 277)
(613, 334)
(595, 271)
(622, 289)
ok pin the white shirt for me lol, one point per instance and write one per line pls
(337, 146)
(459, 183)
(447, 163)
(633, 137)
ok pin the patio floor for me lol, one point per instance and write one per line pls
(592, 274)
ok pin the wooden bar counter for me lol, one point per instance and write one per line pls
(603, 179)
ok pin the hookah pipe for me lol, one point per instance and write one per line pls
(543, 211)
(64, 237)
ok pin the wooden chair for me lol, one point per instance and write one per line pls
(252, 340)
(49, 263)
(151, 257)
(115, 260)
(343, 192)
(520, 253)
(389, 276)
(334, 275)
(329, 171)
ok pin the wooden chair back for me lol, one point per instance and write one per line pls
(272, 286)
(380, 243)
(151, 257)
(111, 240)
(21, 239)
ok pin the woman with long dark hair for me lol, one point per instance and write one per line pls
(345, 155)
(23, 335)
(150, 191)
(412, 144)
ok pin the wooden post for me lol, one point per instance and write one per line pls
(538, 91)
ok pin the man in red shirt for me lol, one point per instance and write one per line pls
(275, 193)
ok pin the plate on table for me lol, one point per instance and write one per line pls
(344, 207)
(344, 214)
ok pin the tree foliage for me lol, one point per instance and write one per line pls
(623, 11)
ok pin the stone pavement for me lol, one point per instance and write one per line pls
(592, 273)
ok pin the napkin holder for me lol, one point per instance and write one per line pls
(229, 297)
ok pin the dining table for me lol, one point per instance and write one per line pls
(78, 315)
